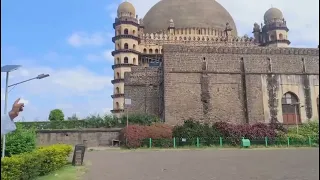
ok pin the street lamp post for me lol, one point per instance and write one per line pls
(296, 106)
(7, 69)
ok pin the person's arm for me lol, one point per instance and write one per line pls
(7, 124)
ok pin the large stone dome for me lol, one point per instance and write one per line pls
(187, 14)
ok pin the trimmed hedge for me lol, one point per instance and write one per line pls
(20, 141)
(40, 162)
(135, 135)
(92, 122)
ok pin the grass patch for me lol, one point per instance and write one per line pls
(68, 172)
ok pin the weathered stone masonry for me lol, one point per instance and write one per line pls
(226, 72)
(209, 84)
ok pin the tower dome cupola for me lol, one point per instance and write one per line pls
(126, 9)
(273, 14)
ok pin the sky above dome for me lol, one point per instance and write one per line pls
(71, 40)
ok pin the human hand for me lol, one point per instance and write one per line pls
(16, 109)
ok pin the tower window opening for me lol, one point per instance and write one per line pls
(145, 51)
(281, 36)
(156, 51)
(117, 90)
(150, 51)
(126, 60)
(126, 31)
(126, 46)
(118, 75)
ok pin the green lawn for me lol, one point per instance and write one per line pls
(68, 172)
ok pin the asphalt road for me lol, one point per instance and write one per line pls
(226, 164)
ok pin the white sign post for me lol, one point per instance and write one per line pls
(127, 103)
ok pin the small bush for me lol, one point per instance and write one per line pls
(307, 129)
(234, 133)
(30, 165)
(136, 135)
(191, 130)
(20, 141)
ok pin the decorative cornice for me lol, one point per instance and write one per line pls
(122, 65)
(125, 36)
(117, 96)
(117, 81)
(276, 41)
(240, 50)
(125, 51)
(125, 22)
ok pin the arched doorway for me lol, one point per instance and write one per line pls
(290, 108)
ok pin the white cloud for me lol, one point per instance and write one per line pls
(79, 39)
(77, 80)
(105, 56)
(302, 16)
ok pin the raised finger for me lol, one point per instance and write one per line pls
(17, 101)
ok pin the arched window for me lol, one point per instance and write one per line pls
(126, 60)
(134, 61)
(126, 46)
(133, 32)
(145, 51)
(117, 90)
(150, 51)
(118, 75)
(117, 105)
(199, 31)
(126, 31)
(281, 36)
(272, 38)
(290, 108)
(118, 60)
(161, 51)
(134, 46)
(156, 51)
(118, 46)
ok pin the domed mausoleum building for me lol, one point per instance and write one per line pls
(185, 60)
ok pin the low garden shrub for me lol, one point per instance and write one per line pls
(20, 141)
(191, 130)
(135, 136)
(234, 133)
(27, 166)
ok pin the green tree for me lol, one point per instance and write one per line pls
(56, 115)
(73, 118)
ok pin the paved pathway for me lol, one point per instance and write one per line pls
(230, 164)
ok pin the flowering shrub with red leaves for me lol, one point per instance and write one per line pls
(135, 135)
(234, 133)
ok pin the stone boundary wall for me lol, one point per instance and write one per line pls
(92, 137)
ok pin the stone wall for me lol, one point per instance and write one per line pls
(211, 84)
(144, 87)
(93, 137)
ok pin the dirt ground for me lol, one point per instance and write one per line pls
(226, 164)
